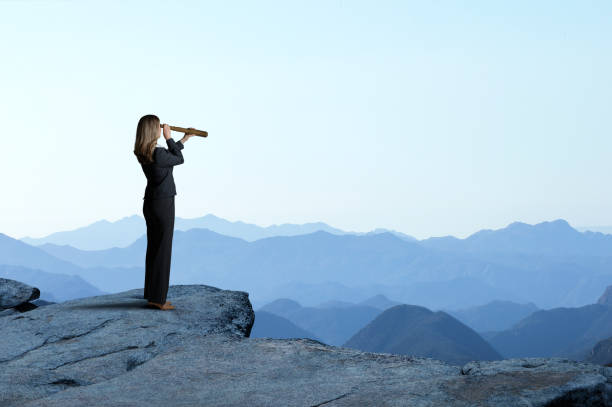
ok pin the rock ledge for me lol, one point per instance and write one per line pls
(112, 351)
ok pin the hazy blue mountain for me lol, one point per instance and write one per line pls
(379, 301)
(282, 307)
(194, 242)
(107, 279)
(335, 304)
(16, 252)
(562, 332)
(574, 265)
(459, 292)
(130, 256)
(98, 235)
(557, 273)
(546, 238)
(601, 353)
(333, 325)
(320, 266)
(414, 330)
(103, 234)
(277, 259)
(493, 316)
(268, 325)
(602, 229)
(401, 235)
(487, 335)
(606, 297)
(312, 294)
(249, 231)
(546, 290)
(53, 286)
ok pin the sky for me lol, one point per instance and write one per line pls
(431, 118)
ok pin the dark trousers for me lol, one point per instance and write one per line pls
(159, 215)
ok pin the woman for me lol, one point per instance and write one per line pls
(158, 206)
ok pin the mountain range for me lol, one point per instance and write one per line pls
(54, 287)
(494, 316)
(103, 234)
(560, 332)
(549, 264)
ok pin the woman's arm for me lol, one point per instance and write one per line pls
(171, 156)
(186, 137)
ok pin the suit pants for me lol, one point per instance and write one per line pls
(159, 216)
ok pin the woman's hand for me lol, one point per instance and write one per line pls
(187, 135)
(166, 131)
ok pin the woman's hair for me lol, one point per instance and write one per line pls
(147, 134)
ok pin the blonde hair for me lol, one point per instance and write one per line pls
(147, 133)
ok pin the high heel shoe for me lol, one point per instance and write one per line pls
(165, 306)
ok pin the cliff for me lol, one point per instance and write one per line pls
(110, 350)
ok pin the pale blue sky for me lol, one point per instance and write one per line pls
(430, 117)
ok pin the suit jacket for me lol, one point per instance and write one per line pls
(160, 182)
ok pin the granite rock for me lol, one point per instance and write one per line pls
(601, 352)
(14, 293)
(111, 351)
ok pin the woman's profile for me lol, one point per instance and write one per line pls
(158, 205)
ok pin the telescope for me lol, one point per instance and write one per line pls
(189, 130)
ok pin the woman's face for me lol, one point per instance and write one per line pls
(160, 132)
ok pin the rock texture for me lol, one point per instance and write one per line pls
(601, 353)
(111, 351)
(14, 293)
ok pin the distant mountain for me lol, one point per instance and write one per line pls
(103, 234)
(313, 294)
(320, 266)
(310, 256)
(573, 263)
(282, 307)
(546, 238)
(454, 293)
(268, 325)
(493, 316)
(606, 297)
(379, 301)
(130, 256)
(53, 286)
(98, 235)
(16, 252)
(251, 232)
(317, 267)
(601, 352)
(414, 330)
(376, 231)
(335, 304)
(602, 229)
(560, 332)
(108, 279)
(334, 325)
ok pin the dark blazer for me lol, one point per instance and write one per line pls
(160, 182)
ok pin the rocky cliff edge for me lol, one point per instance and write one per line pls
(111, 350)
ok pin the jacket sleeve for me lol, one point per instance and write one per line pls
(172, 156)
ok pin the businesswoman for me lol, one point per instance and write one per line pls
(158, 206)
